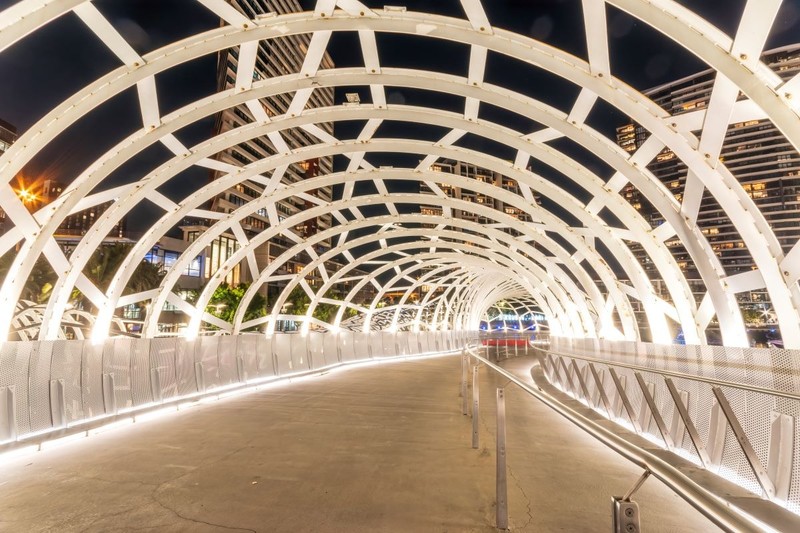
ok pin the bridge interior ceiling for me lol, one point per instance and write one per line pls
(545, 225)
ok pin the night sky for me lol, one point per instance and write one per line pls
(59, 59)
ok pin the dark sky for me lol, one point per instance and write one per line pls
(41, 71)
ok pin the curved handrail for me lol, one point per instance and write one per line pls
(721, 512)
(681, 375)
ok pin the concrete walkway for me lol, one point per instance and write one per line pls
(381, 448)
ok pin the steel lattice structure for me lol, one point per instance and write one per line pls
(554, 261)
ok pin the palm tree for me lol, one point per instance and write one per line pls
(40, 282)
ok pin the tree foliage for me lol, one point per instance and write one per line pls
(324, 312)
(106, 260)
(226, 299)
(40, 282)
(100, 270)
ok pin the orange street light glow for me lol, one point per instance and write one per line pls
(27, 196)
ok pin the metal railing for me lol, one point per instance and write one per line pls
(731, 410)
(55, 388)
(705, 499)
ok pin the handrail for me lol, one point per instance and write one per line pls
(680, 375)
(721, 512)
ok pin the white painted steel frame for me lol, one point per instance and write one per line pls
(735, 60)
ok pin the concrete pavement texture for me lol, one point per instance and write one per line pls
(379, 448)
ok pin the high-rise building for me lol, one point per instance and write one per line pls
(275, 57)
(37, 193)
(77, 224)
(479, 174)
(755, 152)
(8, 135)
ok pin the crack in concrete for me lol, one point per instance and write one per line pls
(485, 424)
(106, 516)
(154, 496)
(182, 517)
(525, 495)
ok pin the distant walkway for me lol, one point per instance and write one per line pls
(381, 448)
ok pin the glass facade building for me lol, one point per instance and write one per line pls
(755, 152)
(274, 58)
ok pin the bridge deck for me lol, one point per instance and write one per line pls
(383, 448)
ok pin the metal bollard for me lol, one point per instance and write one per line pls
(501, 479)
(464, 369)
(475, 407)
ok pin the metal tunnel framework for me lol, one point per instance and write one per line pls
(560, 262)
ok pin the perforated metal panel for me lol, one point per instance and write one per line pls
(92, 378)
(39, 386)
(117, 361)
(66, 362)
(141, 388)
(759, 367)
(266, 358)
(282, 348)
(347, 345)
(330, 349)
(375, 344)
(299, 350)
(247, 351)
(185, 372)
(24, 350)
(422, 344)
(207, 354)
(124, 373)
(226, 354)
(163, 358)
(314, 341)
(402, 342)
(361, 345)
(388, 344)
(433, 341)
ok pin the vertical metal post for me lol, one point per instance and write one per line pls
(475, 407)
(464, 369)
(501, 478)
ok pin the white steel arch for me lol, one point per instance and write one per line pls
(735, 58)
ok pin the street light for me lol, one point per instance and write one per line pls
(27, 196)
